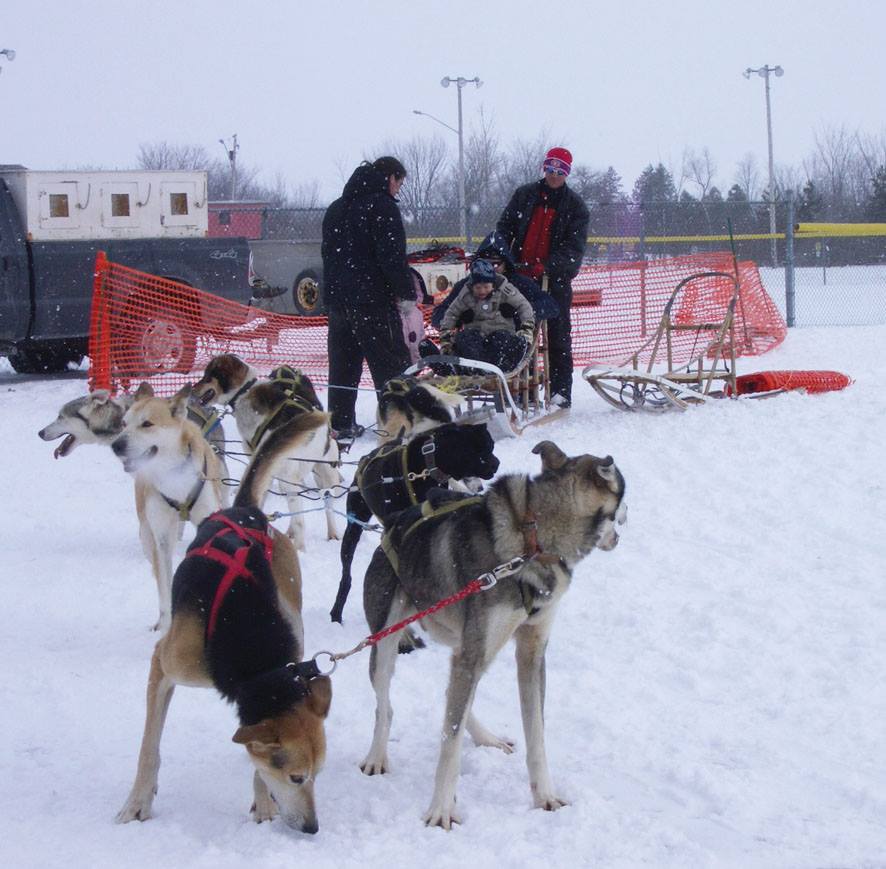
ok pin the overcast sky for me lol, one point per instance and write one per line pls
(313, 87)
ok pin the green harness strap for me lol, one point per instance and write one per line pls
(291, 400)
(428, 512)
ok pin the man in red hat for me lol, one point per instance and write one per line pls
(546, 227)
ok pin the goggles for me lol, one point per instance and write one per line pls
(555, 167)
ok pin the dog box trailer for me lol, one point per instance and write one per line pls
(53, 223)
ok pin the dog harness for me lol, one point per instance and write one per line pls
(397, 455)
(183, 508)
(532, 550)
(292, 380)
(234, 564)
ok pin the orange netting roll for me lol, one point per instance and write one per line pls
(810, 381)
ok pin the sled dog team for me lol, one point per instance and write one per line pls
(230, 613)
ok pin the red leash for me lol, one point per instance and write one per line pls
(482, 583)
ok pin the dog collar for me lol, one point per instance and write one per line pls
(183, 508)
(239, 393)
(532, 550)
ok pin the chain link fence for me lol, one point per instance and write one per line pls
(815, 279)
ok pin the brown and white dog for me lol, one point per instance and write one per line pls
(236, 626)
(178, 477)
(261, 406)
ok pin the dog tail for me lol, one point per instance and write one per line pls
(282, 443)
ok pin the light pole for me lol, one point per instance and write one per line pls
(9, 53)
(459, 82)
(232, 158)
(763, 72)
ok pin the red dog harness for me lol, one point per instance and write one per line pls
(235, 565)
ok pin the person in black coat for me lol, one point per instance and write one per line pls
(366, 277)
(545, 226)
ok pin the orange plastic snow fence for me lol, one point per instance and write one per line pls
(149, 328)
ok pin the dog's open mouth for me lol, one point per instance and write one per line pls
(65, 446)
(133, 464)
(207, 396)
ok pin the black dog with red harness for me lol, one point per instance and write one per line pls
(250, 646)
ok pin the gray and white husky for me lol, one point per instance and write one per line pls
(94, 418)
(553, 520)
(97, 418)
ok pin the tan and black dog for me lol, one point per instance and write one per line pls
(261, 406)
(236, 626)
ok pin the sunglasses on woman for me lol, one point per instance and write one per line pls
(555, 170)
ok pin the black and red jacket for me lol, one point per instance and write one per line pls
(568, 229)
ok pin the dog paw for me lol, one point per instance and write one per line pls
(442, 816)
(490, 740)
(134, 809)
(549, 802)
(371, 766)
(263, 810)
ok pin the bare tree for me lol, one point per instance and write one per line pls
(521, 163)
(831, 165)
(482, 160)
(699, 169)
(747, 176)
(425, 161)
(165, 155)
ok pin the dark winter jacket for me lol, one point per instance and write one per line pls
(544, 306)
(569, 230)
(364, 244)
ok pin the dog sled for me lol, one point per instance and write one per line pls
(520, 397)
(686, 360)
(690, 360)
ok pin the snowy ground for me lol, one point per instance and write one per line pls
(715, 685)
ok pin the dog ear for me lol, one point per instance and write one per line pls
(145, 390)
(264, 733)
(178, 404)
(320, 698)
(552, 457)
(606, 468)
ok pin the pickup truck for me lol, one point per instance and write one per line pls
(53, 223)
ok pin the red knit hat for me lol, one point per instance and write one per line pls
(558, 158)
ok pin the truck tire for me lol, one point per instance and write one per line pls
(36, 357)
(150, 344)
(307, 298)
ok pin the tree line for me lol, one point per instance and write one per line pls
(843, 178)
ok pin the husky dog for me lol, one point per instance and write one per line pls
(236, 626)
(97, 418)
(408, 407)
(398, 475)
(177, 478)
(553, 521)
(261, 406)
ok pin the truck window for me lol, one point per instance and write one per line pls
(178, 203)
(119, 205)
(58, 205)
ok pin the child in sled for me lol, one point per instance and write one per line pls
(497, 320)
